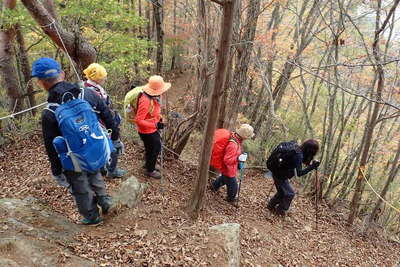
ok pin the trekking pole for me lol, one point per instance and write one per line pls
(162, 165)
(270, 190)
(240, 185)
(242, 160)
(316, 199)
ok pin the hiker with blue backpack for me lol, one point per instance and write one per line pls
(76, 143)
(227, 158)
(142, 107)
(96, 76)
(285, 162)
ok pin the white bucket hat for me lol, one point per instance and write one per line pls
(245, 131)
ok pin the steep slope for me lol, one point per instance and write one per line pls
(158, 232)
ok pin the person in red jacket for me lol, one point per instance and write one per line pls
(148, 121)
(230, 162)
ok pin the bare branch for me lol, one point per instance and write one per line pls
(218, 2)
(347, 90)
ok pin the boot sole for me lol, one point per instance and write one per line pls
(91, 225)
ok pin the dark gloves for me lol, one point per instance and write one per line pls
(315, 164)
(160, 125)
(119, 146)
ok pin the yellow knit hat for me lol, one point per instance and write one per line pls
(95, 72)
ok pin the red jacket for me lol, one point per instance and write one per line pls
(147, 115)
(232, 152)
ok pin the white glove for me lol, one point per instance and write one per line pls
(243, 157)
(61, 180)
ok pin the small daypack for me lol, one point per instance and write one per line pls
(222, 137)
(84, 144)
(131, 101)
(283, 157)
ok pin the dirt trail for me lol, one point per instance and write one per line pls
(158, 232)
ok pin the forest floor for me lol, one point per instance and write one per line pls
(158, 232)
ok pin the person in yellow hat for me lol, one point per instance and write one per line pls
(148, 121)
(96, 76)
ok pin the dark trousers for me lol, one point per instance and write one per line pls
(113, 161)
(152, 146)
(231, 184)
(85, 188)
(284, 195)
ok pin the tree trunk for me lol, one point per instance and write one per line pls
(371, 123)
(7, 64)
(79, 50)
(157, 9)
(221, 123)
(174, 47)
(149, 32)
(393, 172)
(213, 109)
(26, 68)
(244, 51)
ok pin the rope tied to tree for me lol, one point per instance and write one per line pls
(52, 24)
(377, 194)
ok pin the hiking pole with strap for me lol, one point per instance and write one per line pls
(162, 164)
(316, 199)
(242, 160)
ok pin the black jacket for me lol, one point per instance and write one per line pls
(50, 125)
(288, 174)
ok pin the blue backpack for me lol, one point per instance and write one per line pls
(84, 144)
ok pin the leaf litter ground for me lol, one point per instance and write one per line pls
(159, 233)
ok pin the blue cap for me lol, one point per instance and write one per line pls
(45, 67)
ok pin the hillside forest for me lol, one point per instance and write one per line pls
(294, 70)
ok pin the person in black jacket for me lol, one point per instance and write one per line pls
(281, 201)
(88, 189)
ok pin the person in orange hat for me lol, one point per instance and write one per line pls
(148, 121)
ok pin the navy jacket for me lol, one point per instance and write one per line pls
(50, 125)
(288, 174)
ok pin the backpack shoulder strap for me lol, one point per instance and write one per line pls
(52, 107)
(82, 93)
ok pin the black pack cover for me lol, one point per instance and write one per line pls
(283, 157)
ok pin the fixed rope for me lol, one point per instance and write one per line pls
(373, 190)
(22, 111)
(53, 23)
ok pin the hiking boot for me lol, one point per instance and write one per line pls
(280, 212)
(154, 174)
(93, 222)
(157, 168)
(105, 203)
(117, 173)
(271, 208)
(233, 202)
(212, 188)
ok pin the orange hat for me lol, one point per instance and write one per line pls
(156, 86)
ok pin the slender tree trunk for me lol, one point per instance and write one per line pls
(158, 11)
(393, 172)
(149, 32)
(244, 51)
(80, 51)
(175, 45)
(213, 110)
(7, 64)
(26, 67)
(371, 123)
(224, 97)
